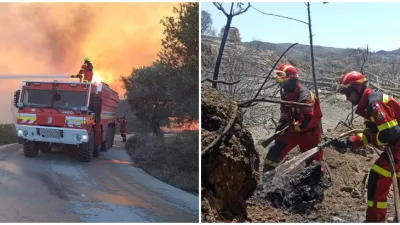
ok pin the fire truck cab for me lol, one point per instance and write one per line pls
(69, 114)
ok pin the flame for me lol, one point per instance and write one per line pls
(176, 127)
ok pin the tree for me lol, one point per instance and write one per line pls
(180, 48)
(206, 24)
(233, 34)
(180, 51)
(169, 87)
(229, 18)
(146, 92)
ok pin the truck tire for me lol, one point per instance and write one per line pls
(97, 147)
(85, 152)
(112, 135)
(104, 146)
(44, 148)
(31, 149)
(95, 103)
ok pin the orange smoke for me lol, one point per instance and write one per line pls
(180, 127)
(54, 38)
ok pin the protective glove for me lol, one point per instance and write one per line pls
(340, 144)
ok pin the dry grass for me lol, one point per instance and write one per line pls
(174, 160)
(8, 134)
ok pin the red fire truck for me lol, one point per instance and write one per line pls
(75, 114)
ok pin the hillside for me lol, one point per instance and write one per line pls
(250, 63)
(319, 51)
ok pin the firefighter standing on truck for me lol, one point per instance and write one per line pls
(381, 113)
(122, 127)
(303, 121)
(86, 71)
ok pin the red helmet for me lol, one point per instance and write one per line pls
(285, 72)
(352, 79)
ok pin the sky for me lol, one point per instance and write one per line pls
(336, 24)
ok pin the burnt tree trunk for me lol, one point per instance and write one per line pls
(221, 49)
(312, 56)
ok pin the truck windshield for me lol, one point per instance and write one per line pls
(45, 99)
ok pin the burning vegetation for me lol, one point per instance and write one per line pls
(176, 126)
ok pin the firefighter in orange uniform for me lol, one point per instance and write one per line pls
(304, 129)
(381, 113)
(122, 127)
(86, 71)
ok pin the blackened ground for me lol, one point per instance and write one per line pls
(299, 192)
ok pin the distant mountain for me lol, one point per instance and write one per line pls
(319, 51)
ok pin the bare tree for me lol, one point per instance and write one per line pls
(206, 24)
(229, 17)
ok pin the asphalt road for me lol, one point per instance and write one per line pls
(56, 187)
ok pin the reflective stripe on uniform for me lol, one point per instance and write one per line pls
(385, 98)
(313, 97)
(381, 171)
(372, 119)
(379, 205)
(388, 125)
(363, 138)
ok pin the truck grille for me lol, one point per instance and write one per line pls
(50, 133)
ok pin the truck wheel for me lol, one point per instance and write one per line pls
(45, 148)
(112, 135)
(104, 145)
(109, 143)
(31, 149)
(85, 152)
(97, 147)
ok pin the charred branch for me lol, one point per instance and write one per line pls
(220, 81)
(248, 103)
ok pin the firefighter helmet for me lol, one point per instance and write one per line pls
(87, 59)
(354, 80)
(285, 72)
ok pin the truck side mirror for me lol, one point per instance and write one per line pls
(16, 98)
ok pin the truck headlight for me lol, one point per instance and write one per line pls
(19, 132)
(84, 137)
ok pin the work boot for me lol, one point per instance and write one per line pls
(123, 139)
